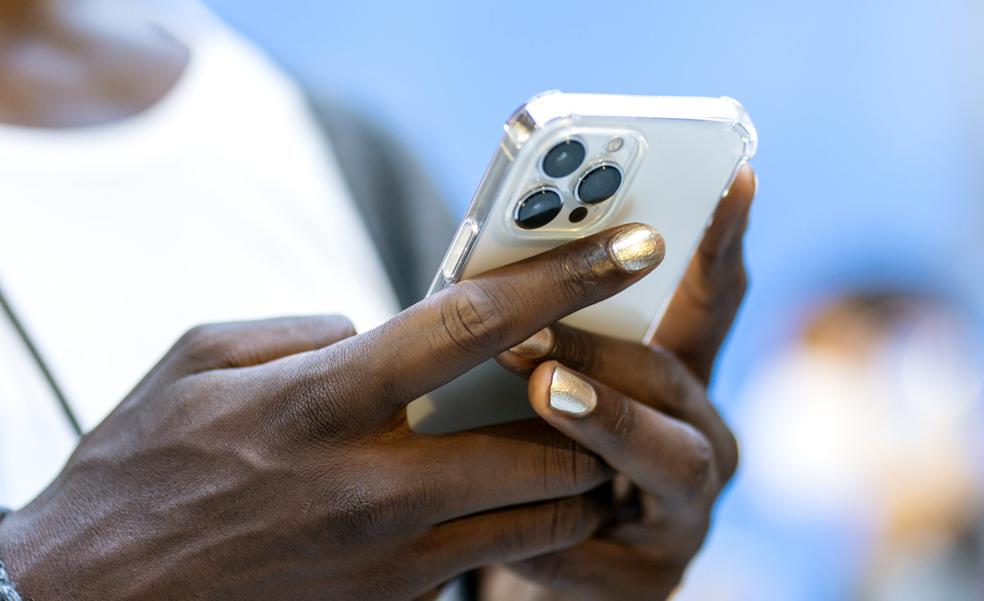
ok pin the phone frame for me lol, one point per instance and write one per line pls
(487, 394)
(545, 109)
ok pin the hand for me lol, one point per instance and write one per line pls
(272, 460)
(644, 410)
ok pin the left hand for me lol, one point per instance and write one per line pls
(645, 411)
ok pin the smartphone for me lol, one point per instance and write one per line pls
(568, 166)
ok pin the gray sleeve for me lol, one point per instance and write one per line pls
(405, 215)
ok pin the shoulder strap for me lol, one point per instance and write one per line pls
(406, 217)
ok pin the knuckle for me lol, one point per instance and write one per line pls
(698, 467)
(700, 292)
(392, 508)
(678, 390)
(568, 467)
(205, 345)
(312, 405)
(569, 522)
(624, 421)
(408, 507)
(305, 400)
(727, 276)
(731, 456)
(199, 336)
(353, 511)
(385, 506)
(315, 415)
(471, 318)
(578, 350)
(340, 325)
(518, 539)
(363, 510)
(555, 524)
(733, 283)
(580, 274)
(743, 283)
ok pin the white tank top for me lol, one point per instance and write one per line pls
(221, 202)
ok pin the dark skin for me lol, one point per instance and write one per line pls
(272, 459)
(653, 403)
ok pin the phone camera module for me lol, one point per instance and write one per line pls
(538, 209)
(564, 159)
(599, 184)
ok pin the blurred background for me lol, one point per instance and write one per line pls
(854, 377)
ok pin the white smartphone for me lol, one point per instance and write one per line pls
(571, 165)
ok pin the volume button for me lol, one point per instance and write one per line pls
(459, 251)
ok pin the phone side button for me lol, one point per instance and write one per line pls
(460, 248)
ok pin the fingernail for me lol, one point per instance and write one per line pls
(536, 346)
(570, 394)
(637, 248)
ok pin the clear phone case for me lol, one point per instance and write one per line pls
(676, 156)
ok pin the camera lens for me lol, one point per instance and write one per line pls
(599, 184)
(563, 159)
(578, 215)
(538, 209)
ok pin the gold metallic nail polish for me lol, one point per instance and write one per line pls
(637, 248)
(536, 346)
(570, 394)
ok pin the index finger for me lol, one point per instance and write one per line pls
(453, 331)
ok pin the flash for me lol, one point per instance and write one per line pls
(615, 144)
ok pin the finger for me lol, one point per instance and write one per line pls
(649, 375)
(248, 343)
(447, 334)
(667, 458)
(706, 301)
(585, 572)
(513, 534)
(494, 467)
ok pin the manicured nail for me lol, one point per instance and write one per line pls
(638, 247)
(536, 346)
(570, 394)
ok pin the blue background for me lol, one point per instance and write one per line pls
(868, 113)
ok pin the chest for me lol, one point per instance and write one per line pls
(106, 264)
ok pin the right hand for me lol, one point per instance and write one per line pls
(272, 459)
